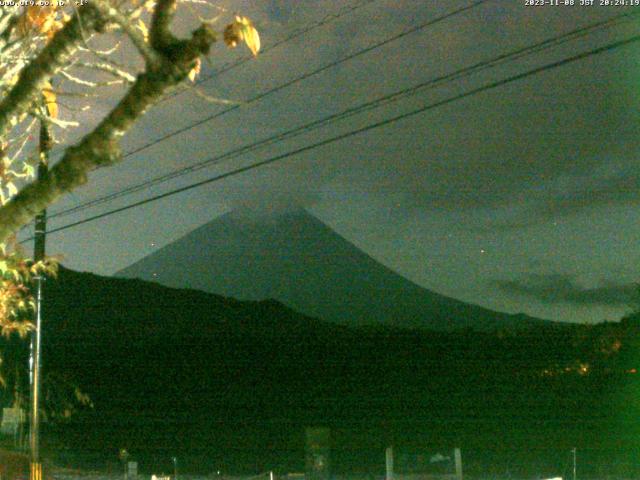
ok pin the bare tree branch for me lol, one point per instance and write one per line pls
(34, 77)
(149, 54)
(101, 147)
(160, 34)
(110, 69)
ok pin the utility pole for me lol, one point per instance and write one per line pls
(35, 357)
(388, 457)
(574, 462)
(457, 455)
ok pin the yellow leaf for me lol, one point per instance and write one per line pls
(242, 30)
(39, 18)
(143, 28)
(249, 34)
(55, 26)
(11, 188)
(50, 100)
(195, 70)
(232, 35)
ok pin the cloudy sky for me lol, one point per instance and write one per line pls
(520, 198)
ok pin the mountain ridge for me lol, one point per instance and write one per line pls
(228, 384)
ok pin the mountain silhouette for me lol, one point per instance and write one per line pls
(296, 259)
(230, 385)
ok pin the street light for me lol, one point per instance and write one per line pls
(124, 456)
(175, 467)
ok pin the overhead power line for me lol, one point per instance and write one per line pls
(438, 81)
(327, 19)
(282, 86)
(295, 34)
(352, 133)
(310, 74)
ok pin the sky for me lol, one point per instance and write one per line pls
(520, 198)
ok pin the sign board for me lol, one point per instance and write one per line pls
(132, 469)
(12, 419)
(317, 453)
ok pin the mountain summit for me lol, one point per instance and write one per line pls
(298, 260)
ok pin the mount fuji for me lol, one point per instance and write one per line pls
(296, 259)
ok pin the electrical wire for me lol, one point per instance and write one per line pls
(276, 89)
(327, 19)
(461, 73)
(352, 133)
(310, 74)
